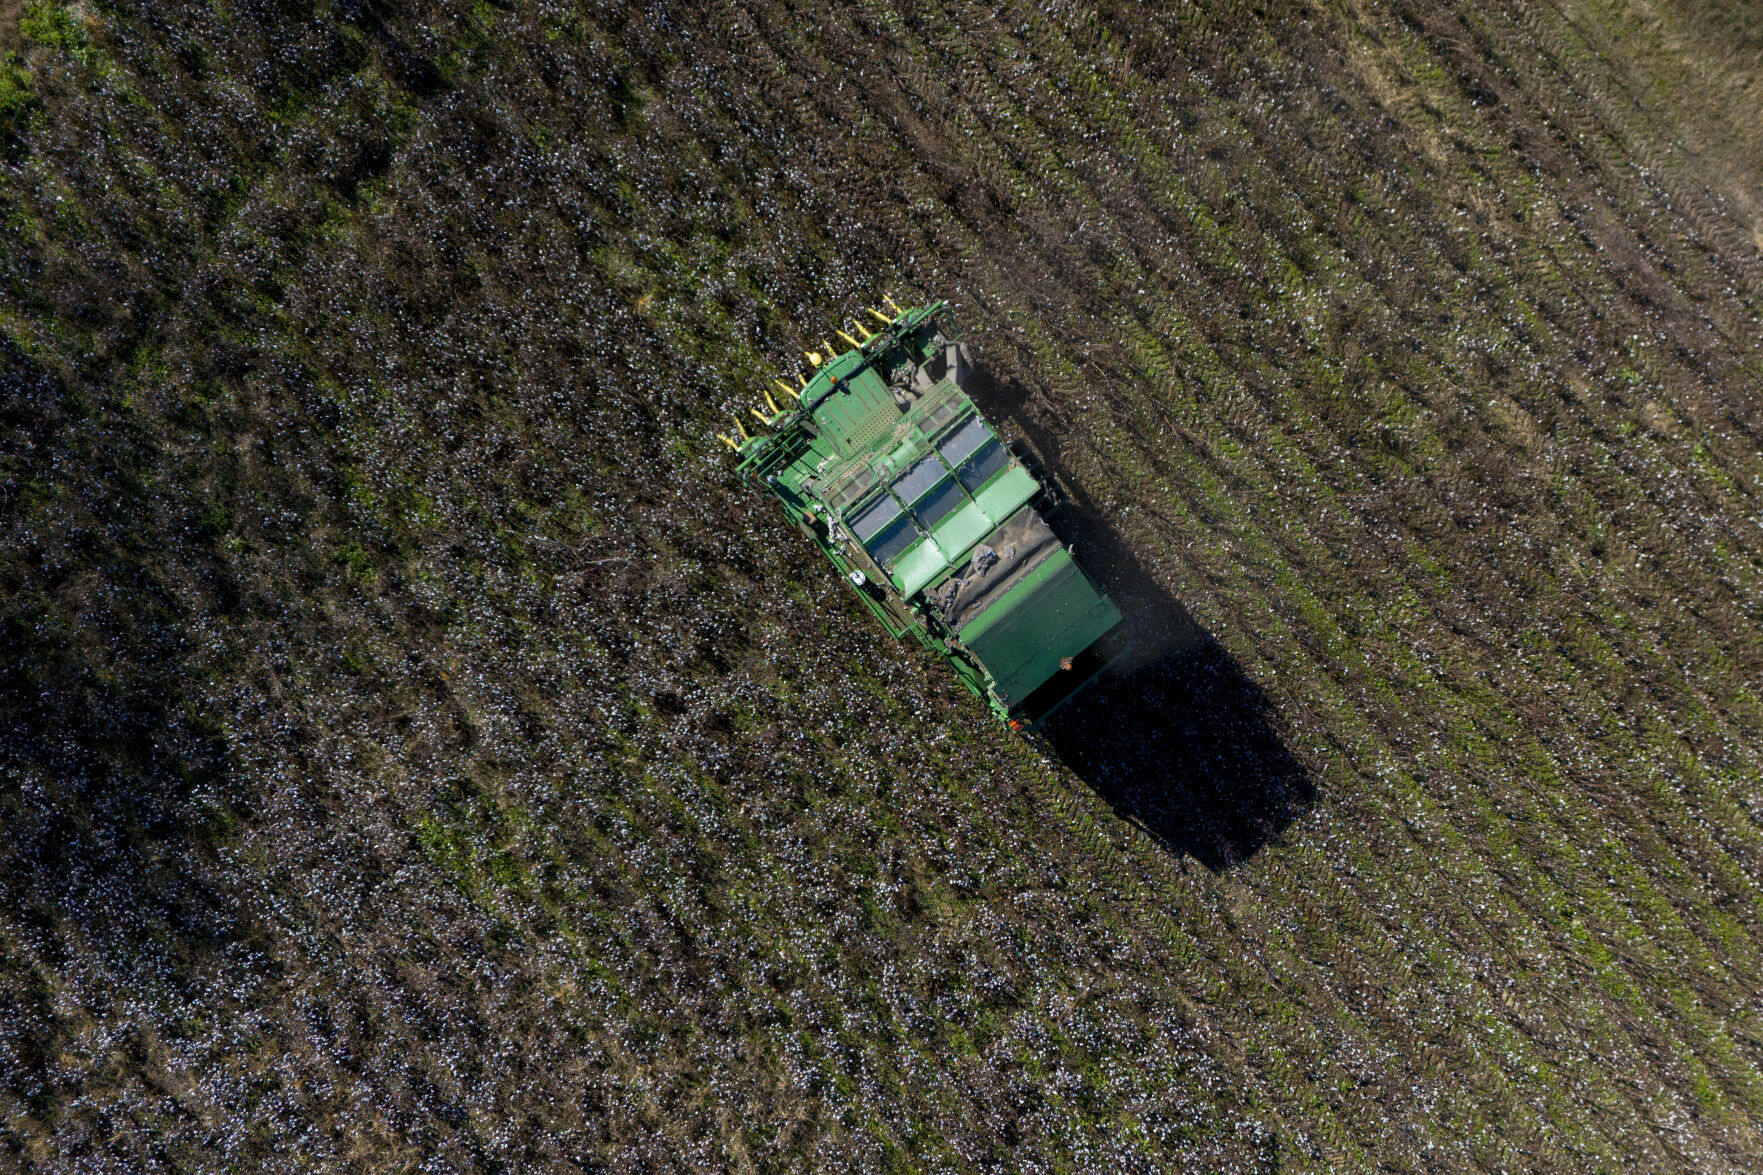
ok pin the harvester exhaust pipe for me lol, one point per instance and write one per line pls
(954, 362)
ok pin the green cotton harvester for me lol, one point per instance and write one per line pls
(882, 459)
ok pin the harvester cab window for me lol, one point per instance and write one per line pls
(959, 445)
(911, 485)
(930, 491)
(884, 528)
(973, 452)
(873, 518)
(892, 542)
(983, 465)
(937, 505)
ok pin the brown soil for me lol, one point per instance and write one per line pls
(417, 751)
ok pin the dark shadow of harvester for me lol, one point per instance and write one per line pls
(1183, 744)
(1176, 737)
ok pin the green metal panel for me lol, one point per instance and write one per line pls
(1082, 633)
(1054, 614)
(919, 566)
(1009, 490)
(960, 530)
(860, 413)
